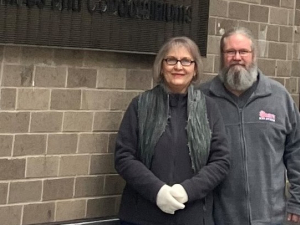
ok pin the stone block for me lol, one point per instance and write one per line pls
(1, 53)
(62, 143)
(207, 77)
(259, 13)
(111, 78)
(8, 98)
(39, 213)
(262, 48)
(12, 54)
(68, 57)
(213, 43)
(292, 51)
(286, 34)
(139, 79)
(297, 5)
(74, 165)
(78, 121)
(93, 143)
(279, 80)
(250, 1)
(101, 207)
(35, 55)
(17, 76)
(11, 215)
(29, 145)
(112, 142)
(212, 26)
(36, 99)
(81, 77)
(102, 164)
(284, 68)
(253, 27)
(269, 33)
(107, 121)
(95, 99)
(3, 193)
(118, 60)
(267, 66)
(25, 191)
(70, 210)
(65, 99)
(114, 185)
(89, 186)
(271, 2)
(296, 68)
(278, 16)
(223, 25)
(297, 18)
(288, 3)
(54, 189)
(121, 99)
(238, 11)
(208, 64)
(218, 8)
(277, 50)
(46, 121)
(297, 34)
(46, 76)
(6, 143)
(291, 17)
(44, 166)
(217, 64)
(11, 169)
(291, 85)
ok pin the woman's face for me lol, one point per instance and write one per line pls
(178, 77)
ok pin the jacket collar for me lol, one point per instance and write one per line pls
(263, 87)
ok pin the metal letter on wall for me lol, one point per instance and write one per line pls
(114, 25)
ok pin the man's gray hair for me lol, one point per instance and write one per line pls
(237, 30)
(177, 42)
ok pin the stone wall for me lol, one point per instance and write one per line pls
(61, 108)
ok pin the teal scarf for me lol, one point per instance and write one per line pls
(153, 113)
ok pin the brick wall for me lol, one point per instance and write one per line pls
(60, 111)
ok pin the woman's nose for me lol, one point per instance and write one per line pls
(178, 65)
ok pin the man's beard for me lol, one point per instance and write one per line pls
(238, 77)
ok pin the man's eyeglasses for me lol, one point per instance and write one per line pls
(242, 52)
(174, 61)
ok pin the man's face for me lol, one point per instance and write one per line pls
(239, 71)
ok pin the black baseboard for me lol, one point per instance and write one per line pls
(95, 221)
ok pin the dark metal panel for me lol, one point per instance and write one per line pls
(121, 25)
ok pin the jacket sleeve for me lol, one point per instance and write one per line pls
(292, 161)
(218, 163)
(133, 171)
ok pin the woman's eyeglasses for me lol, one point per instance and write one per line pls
(174, 61)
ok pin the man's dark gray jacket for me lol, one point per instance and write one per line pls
(264, 138)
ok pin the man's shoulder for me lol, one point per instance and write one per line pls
(274, 84)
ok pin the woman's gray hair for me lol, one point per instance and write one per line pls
(175, 42)
(237, 30)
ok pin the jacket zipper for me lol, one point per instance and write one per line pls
(241, 115)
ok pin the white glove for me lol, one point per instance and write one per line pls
(178, 192)
(166, 202)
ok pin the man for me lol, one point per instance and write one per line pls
(263, 128)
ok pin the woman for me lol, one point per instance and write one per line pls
(171, 147)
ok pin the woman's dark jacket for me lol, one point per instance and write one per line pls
(171, 164)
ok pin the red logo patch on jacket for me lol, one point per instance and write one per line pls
(266, 116)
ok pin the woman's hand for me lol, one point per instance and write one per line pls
(166, 201)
